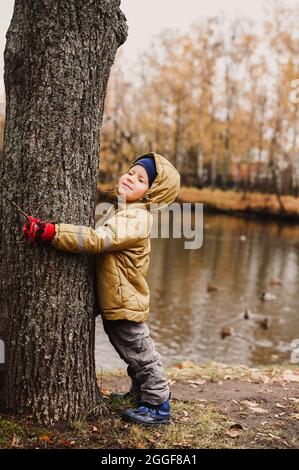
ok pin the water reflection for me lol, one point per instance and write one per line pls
(186, 320)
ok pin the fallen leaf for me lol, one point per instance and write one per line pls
(259, 410)
(15, 442)
(286, 443)
(197, 382)
(152, 441)
(64, 443)
(46, 439)
(236, 426)
(234, 430)
(262, 434)
(171, 382)
(273, 436)
(253, 406)
(232, 433)
(185, 365)
(249, 403)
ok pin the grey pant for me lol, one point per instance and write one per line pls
(134, 345)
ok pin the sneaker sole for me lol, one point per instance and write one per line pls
(132, 420)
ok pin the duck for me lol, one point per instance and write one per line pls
(247, 314)
(226, 331)
(275, 281)
(262, 322)
(212, 287)
(267, 296)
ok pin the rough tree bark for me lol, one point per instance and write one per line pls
(57, 62)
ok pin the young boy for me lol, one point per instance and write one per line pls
(122, 243)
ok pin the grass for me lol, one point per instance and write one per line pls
(194, 425)
(215, 371)
(11, 433)
(233, 201)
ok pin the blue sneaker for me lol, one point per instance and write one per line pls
(149, 415)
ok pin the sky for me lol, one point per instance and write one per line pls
(147, 18)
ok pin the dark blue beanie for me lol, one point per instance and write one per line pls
(149, 164)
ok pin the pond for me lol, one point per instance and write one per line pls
(200, 298)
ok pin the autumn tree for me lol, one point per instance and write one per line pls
(215, 100)
(119, 142)
(1, 134)
(57, 61)
(283, 44)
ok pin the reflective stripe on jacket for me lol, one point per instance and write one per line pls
(121, 241)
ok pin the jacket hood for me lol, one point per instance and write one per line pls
(166, 185)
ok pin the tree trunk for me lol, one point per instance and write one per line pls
(57, 62)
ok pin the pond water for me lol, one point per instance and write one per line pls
(239, 257)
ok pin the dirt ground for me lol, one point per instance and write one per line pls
(269, 411)
(214, 406)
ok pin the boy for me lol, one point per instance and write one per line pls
(122, 243)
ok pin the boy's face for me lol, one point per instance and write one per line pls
(134, 184)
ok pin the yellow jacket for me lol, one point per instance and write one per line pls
(121, 242)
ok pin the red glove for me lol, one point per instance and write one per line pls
(35, 231)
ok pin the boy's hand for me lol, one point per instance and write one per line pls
(36, 231)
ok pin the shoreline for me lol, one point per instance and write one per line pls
(231, 202)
